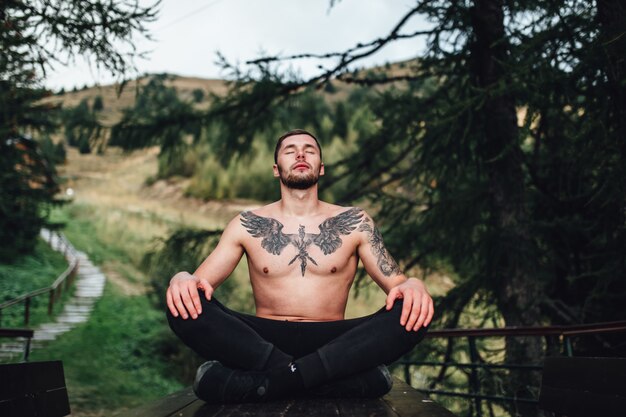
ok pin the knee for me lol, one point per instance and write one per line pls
(394, 315)
(179, 325)
(411, 337)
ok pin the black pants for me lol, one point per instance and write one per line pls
(323, 351)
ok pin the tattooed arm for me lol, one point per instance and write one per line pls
(182, 294)
(417, 305)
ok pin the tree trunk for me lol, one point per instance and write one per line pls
(611, 15)
(513, 262)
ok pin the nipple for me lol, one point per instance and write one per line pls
(266, 270)
(332, 271)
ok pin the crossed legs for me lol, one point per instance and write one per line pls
(321, 351)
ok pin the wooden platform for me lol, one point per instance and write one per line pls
(578, 386)
(33, 389)
(402, 401)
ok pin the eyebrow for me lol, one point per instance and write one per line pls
(306, 146)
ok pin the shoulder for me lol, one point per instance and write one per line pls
(258, 223)
(356, 213)
(348, 221)
(238, 223)
(334, 210)
(268, 210)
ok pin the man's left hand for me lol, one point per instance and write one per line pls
(417, 305)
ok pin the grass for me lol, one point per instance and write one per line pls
(116, 360)
(108, 234)
(26, 274)
(111, 362)
(123, 356)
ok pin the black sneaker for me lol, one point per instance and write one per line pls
(215, 383)
(373, 383)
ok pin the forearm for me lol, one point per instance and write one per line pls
(388, 283)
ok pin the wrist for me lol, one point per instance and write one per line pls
(182, 275)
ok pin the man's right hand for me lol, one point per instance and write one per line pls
(182, 295)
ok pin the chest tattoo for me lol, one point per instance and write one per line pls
(328, 240)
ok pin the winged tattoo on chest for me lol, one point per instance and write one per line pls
(328, 240)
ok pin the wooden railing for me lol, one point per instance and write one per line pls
(24, 333)
(562, 334)
(60, 284)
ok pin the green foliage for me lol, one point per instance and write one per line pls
(198, 95)
(340, 127)
(98, 104)
(97, 237)
(444, 182)
(236, 121)
(206, 148)
(249, 177)
(530, 216)
(148, 122)
(27, 188)
(35, 35)
(115, 359)
(55, 153)
(26, 274)
(81, 127)
(330, 88)
(183, 250)
(159, 117)
(454, 174)
(124, 356)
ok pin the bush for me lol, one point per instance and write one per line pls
(27, 189)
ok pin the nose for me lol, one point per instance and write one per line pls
(300, 155)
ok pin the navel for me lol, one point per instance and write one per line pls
(332, 271)
(266, 270)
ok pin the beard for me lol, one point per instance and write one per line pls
(298, 181)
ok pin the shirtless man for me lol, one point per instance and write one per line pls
(302, 256)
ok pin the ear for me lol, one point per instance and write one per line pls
(321, 169)
(276, 173)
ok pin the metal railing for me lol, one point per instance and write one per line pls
(562, 333)
(60, 284)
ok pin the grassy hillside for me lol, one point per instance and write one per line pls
(115, 100)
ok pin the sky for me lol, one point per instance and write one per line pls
(188, 33)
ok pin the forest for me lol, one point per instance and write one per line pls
(497, 156)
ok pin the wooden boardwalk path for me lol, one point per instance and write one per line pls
(402, 401)
(88, 288)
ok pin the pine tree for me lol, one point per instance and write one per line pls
(502, 157)
(33, 36)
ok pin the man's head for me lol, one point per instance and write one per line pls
(293, 133)
(298, 159)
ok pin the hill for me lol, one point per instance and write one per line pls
(115, 100)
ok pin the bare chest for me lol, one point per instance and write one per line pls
(275, 249)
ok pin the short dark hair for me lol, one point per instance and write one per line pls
(293, 133)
